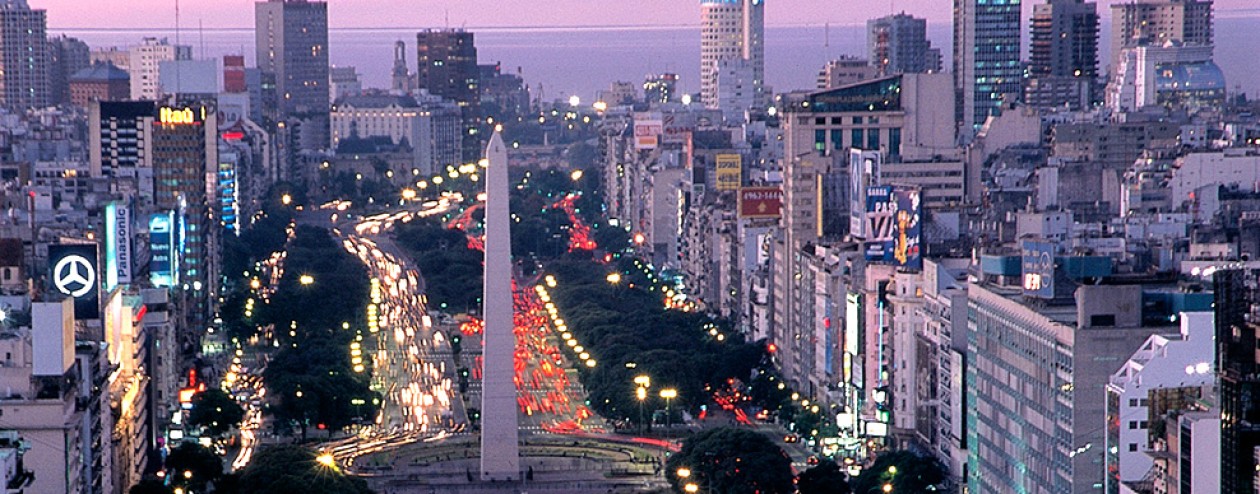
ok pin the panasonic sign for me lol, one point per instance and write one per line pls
(118, 232)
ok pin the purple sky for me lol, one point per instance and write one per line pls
(495, 13)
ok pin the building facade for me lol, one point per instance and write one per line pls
(1063, 67)
(898, 44)
(730, 29)
(23, 56)
(446, 66)
(987, 65)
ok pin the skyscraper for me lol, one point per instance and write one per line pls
(986, 59)
(292, 44)
(898, 44)
(1154, 22)
(23, 56)
(731, 30)
(1064, 62)
(446, 66)
(144, 62)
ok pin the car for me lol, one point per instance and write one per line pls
(791, 438)
(812, 460)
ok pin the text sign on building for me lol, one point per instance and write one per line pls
(760, 202)
(674, 129)
(162, 248)
(863, 172)
(893, 230)
(74, 273)
(647, 134)
(118, 232)
(729, 171)
(1038, 267)
(181, 116)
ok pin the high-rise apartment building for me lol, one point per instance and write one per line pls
(898, 44)
(23, 56)
(1154, 22)
(729, 30)
(1063, 68)
(1236, 365)
(292, 45)
(145, 62)
(446, 66)
(987, 67)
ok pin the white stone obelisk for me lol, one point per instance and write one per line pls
(500, 451)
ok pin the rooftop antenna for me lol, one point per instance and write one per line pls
(178, 79)
(448, 18)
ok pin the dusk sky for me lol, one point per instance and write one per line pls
(498, 13)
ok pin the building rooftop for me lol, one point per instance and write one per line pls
(378, 101)
(101, 72)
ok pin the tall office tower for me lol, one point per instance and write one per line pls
(500, 452)
(120, 144)
(898, 44)
(184, 155)
(661, 88)
(729, 30)
(400, 82)
(1237, 364)
(144, 63)
(66, 56)
(446, 66)
(292, 45)
(23, 56)
(1064, 63)
(1154, 22)
(986, 59)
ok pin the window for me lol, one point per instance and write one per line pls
(1132, 446)
(857, 138)
(1133, 424)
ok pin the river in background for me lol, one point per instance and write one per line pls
(583, 61)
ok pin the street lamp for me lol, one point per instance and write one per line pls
(691, 487)
(306, 279)
(684, 472)
(641, 394)
(668, 394)
(614, 278)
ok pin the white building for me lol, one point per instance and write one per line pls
(431, 128)
(730, 29)
(1164, 362)
(1198, 170)
(145, 64)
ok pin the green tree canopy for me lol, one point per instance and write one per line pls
(194, 466)
(294, 470)
(216, 411)
(731, 461)
(825, 478)
(905, 470)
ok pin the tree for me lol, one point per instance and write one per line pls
(216, 411)
(826, 478)
(293, 470)
(149, 486)
(194, 466)
(906, 471)
(732, 461)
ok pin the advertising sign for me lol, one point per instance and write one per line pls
(647, 134)
(863, 172)
(675, 128)
(74, 273)
(1038, 263)
(893, 229)
(118, 231)
(162, 247)
(729, 171)
(181, 116)
(760, 202)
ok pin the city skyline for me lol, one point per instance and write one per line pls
(481, 14)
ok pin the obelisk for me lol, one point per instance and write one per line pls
(500, 451)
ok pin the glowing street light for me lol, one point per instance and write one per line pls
(614, 278)
(326, 460)
(286, 199)
(668, 394)
(408, 194)
(306, 279)
(576, 175)
(684, 472)
(691, 487)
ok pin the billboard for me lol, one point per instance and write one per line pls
(118, 232)
(760, 202)
(162, 247)
(647, 133)
(74, 272)
(675, 128)
(863, 172)
(1038, 267)
(893, 226)
(730, 171)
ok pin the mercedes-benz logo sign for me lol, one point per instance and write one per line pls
(74, 276)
